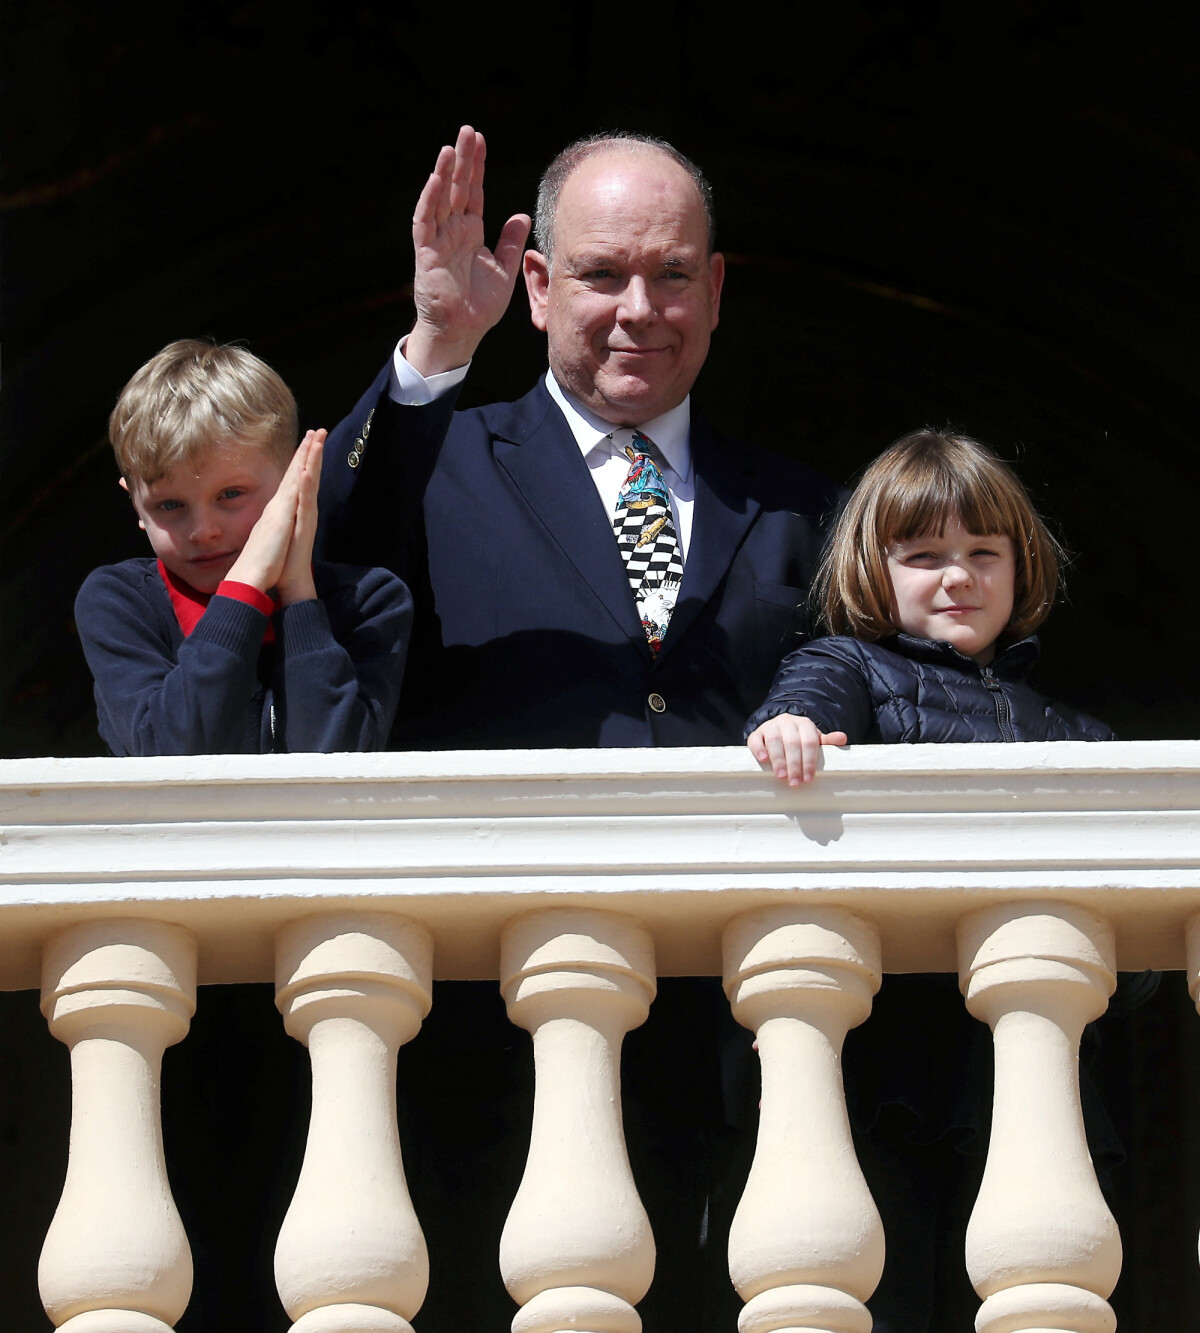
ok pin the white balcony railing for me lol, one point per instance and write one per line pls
(575, 879)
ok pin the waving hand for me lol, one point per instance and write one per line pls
(460, 287)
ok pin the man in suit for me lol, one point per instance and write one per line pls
(527, 628)
(528, 631)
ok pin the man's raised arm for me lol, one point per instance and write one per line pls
(460, 287)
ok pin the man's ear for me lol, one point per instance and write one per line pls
(716, 280)
(537, 284)
(124, 485)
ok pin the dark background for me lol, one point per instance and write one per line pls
(933, 212)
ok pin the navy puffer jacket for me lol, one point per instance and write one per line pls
(909, 690)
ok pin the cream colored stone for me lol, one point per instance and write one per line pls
(911, 837)
(806, 1244)
(804, 1308)
(353, 988)
(1042, 1247)
(116, 1259)
(577, 1251)
(114, 1321)
(235, 846)
(1050, 1306)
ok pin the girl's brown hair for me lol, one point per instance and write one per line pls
(922, 482)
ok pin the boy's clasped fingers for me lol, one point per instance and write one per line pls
(307, 486)
(314, 444)
(295, 581)
(265, 556)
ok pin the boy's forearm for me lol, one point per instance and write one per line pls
(152, 701)
(341, 694)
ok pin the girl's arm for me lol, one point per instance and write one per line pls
(821, 696)
(789, 745)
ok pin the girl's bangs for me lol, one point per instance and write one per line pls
(931, 493)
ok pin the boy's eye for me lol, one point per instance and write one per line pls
(168, 505)
(231, 493)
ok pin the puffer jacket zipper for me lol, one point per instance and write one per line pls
(1000, 699)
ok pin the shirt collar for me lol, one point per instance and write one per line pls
(189, 605)
(669, 431)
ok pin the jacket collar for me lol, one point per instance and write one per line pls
(723, 514)
(534, 447)
(1012, 663)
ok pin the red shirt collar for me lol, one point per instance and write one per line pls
(189, 605)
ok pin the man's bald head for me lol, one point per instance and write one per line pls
(575, 154)
(634, 289)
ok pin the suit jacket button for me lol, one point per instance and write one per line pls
(352, 458)
(658, 703)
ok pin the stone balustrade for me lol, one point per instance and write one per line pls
(573, 880)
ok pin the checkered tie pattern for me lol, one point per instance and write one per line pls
(645, 531)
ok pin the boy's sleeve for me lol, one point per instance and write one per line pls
(342, 663)
(156, 694)
(826, 682)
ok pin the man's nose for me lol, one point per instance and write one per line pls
(636, 305)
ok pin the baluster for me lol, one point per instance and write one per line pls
(1043, 1249)
(116, 1259)
(1193, 958)
(806, 1244)
(577, 1252)
(350, 1256)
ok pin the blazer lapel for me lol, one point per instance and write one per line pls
(722, 516)
(539, 454)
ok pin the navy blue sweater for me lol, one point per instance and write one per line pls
(328, 683)
(905, 689)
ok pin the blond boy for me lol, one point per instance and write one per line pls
(231, 640)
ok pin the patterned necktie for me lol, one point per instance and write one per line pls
(645, 532)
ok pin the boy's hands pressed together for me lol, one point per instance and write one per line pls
(295, 583)
(264, 557)
(788, 746)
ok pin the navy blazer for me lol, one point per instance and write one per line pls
(526, 632)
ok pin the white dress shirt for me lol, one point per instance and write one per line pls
(600, 443)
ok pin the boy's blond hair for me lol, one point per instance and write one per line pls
(922, 482)
(194, 396)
